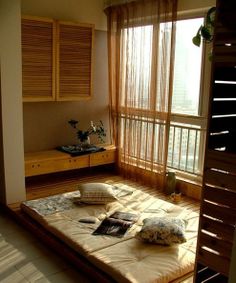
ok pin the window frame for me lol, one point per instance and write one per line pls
(199, 120)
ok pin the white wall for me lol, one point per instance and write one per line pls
(84, 11)
(12, 158)
(195, 4)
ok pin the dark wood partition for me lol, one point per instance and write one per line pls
(218, 204)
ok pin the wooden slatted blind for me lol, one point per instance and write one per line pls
(218, 206)
(74, 59)
(38, 57)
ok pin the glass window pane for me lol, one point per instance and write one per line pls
(187, 68)
(136, 60)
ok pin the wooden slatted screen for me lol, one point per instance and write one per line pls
(38, 56)
(74, 59)
(218, 205)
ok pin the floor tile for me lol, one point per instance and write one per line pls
(23, 258)
(41, 267)
(20, 237)
(8, 226)
(67, 276)
(11, 275)
(9, 256)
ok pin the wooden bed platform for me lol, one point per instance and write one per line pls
(53, 184)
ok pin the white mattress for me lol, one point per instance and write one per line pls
(125, 259)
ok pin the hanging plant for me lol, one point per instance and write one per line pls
(206, 31)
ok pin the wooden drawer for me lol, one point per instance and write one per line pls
(50, 166)
(104, 157)
(50, 161)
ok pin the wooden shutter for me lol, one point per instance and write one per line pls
(218, 206)
(74, 61)
(38, 56)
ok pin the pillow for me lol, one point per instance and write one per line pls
(96, 193)
(162, 230)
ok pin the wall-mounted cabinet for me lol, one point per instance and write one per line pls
(57, 60)
(74, 61)
(38, 59)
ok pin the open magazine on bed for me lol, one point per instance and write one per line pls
(116, 224)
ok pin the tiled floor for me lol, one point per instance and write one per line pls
(24, 259)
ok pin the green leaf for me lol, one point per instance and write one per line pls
(210, 16)
(206, 33)
(197, 40)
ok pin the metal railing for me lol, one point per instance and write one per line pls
(186, 148)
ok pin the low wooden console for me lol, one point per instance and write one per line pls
(51, 161)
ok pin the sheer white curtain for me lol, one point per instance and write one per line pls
(141, 37)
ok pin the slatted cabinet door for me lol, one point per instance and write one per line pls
(74, 60)
(38, 59)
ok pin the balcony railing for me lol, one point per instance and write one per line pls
(186, 148)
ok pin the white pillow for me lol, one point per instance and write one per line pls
(162, 230)
(96, 193)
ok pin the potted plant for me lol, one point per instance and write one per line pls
(206, 31)
(93, 129)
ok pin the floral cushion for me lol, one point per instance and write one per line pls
(162, 230)
(96, 193)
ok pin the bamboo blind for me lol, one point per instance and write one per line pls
(38, 59)
(74, 59)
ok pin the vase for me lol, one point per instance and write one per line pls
(170, 183)
(85, 143)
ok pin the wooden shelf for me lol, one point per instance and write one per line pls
(51, 161)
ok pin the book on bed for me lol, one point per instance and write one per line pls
(116, 224)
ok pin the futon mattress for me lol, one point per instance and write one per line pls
(125, 259)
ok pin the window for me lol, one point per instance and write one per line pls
(187, 69)
(139, 71)
(187, 126)
(187, 129)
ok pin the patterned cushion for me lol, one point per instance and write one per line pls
(162, 230)
(96, 193)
